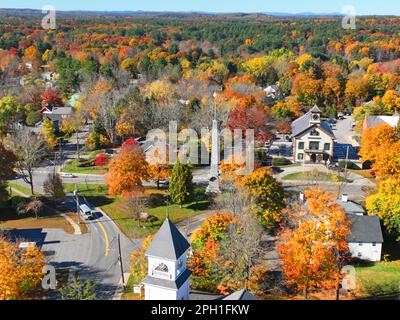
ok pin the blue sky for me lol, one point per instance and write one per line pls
(291, 6)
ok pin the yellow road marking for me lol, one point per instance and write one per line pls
(105, 236)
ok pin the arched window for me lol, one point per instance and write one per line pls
(161, 267)
(314, 133)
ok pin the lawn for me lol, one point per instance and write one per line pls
(365, 173)
(156, 207)
(313, 176)
(25, 190)
(47, 219)
(381, 278)
(74, 167)
(128, 291)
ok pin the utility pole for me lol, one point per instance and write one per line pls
(347, 160)
(120, 260)
(77, 204)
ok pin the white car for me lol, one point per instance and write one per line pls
(67, 175)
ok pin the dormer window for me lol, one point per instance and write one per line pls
(180, 264)
(162, 268)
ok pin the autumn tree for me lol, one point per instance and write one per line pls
(268, 193)
(374, 139)
(138, 266)
(52, 98)
(181, 183)
(127, 170)
(385, 203)
(313, 243)
(48, 133)
(20, 271)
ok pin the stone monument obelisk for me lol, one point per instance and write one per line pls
(213, 180)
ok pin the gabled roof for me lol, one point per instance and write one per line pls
(240, 295)
(315, 109)
(365, 229)
(373, 121)
(351, 207)
(168, 243)
(303, 123)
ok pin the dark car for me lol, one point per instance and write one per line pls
(275, 170)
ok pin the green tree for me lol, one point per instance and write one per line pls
(181, 183)
(78, 290)
(9, 108)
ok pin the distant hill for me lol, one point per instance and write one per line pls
(176, 15)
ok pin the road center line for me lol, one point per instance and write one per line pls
(105, 236)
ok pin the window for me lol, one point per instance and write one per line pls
(314, 133)
(373, 244)
(162, 267)
(301, 145)
(180, 264)
(360, 244)
(359, 255)
(327, 146)
(314, 145)
(300, 156)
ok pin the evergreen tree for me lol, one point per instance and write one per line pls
(181, 183)
(78, 290)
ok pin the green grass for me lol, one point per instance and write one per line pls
(98, 196)
(23, 189)
(311, 176)
(128, 291)
(381, 278)
(73, 167)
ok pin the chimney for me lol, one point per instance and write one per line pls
(345, 197)
(301, 197)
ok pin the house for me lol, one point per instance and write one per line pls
(365, 241)
(373, 121)
(312, 138)
(56, 115)
(167, 275)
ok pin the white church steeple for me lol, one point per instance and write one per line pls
(167, 275)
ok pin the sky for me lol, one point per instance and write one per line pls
(362, 7)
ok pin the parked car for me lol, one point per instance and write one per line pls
(85, 212)
(67, 175)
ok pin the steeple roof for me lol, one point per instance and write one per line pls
(169, 243)
(315, 109)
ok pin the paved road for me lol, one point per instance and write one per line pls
(102, 262)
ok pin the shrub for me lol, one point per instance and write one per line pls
(100, 160)
(33, 117)
(280, 162)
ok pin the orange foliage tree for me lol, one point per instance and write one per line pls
(20, 270)
(313, 243)
(127, 170)
(374, 139)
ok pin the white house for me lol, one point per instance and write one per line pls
(365, 241)
(167, 275)
(312, 138)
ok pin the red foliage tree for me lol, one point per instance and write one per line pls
(100, 160)
(51, 97)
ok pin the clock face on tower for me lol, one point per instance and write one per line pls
(315, 117)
